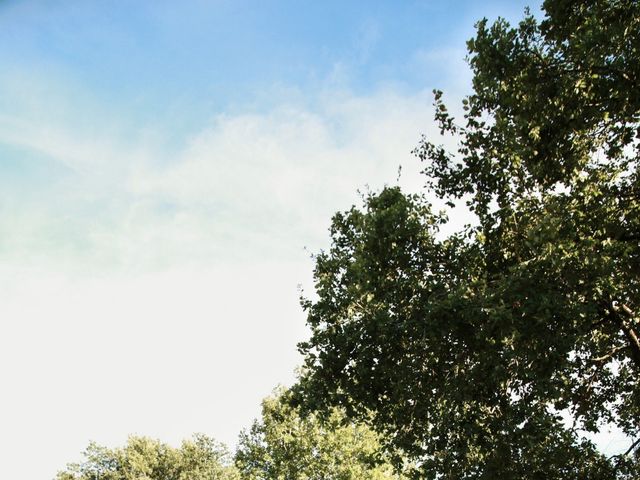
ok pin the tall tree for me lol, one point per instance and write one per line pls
(471, 352)
(283, 445)
(146, 459)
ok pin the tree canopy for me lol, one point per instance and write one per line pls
(281, 445)
(485, 354)
(284, 445)
(200, 458)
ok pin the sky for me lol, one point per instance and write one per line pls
(167, 170)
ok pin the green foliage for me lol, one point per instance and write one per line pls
(463, 351)
(146, 459)
(285, 446)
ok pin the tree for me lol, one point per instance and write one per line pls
(146, 459)
(284, 446)
(470, 353)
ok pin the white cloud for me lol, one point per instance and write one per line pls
(247, 185)
(289, 168)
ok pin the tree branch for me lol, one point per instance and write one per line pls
(610, 354)
(629, 450)
(632, 447)
(619, 313)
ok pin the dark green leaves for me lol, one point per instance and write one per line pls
(465, 351)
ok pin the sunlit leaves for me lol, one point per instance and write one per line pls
(284, 445)
(143, 458)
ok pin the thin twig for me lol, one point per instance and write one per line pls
(630, 449)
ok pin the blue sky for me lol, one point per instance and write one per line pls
(166, 169)
(187, 60)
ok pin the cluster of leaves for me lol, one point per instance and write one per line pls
(465, 353)
(284, 445)
(200, 458)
